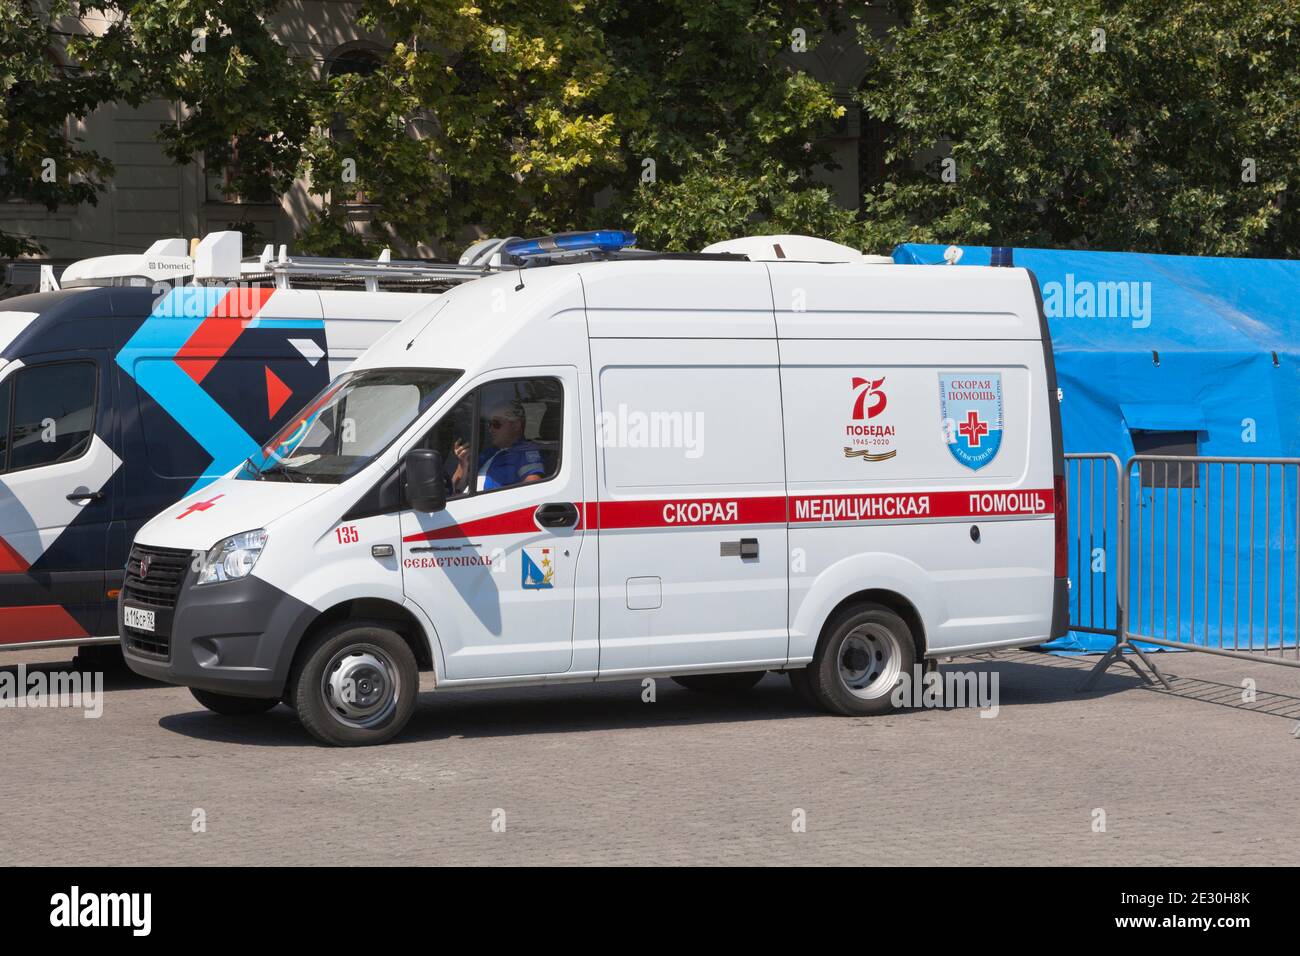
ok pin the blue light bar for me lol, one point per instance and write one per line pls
(596, 240)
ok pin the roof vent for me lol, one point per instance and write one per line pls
(794, 249)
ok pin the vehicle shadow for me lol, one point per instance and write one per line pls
(1029, 679)
(116, 677)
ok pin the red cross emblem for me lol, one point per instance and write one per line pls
(973, 428)
(205, 505)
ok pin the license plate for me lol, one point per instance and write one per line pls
(138, 619)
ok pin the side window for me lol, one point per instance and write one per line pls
(53, 415)
(502, 434)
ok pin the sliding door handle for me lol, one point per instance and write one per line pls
(744, 548)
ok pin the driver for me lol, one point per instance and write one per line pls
(510, 460)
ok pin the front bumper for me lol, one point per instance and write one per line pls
(236, 637)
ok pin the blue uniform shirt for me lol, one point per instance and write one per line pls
(498, 468)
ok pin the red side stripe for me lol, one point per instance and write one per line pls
(519, 521)
(796, 510)
(694, 512)
(40, 622)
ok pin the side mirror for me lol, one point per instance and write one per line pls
(426, 485)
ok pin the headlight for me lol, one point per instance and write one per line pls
(233, 558)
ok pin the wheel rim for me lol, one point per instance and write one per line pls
(870, 659)
(361, 686)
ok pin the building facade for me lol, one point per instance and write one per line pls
(150, 197)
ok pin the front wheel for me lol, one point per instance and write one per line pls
(231, 706)
(355, 684)
(859, 661)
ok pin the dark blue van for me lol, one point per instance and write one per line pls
(115, 402)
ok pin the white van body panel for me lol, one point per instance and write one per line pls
(678, 299)
(821, 301)
(807, 461)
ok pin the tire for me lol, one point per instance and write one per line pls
(232, 706)
(720, 683)
(367, 660)
(859, 660)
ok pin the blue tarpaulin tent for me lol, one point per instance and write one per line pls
(1178, 354)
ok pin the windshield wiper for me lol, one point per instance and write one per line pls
(284, 472)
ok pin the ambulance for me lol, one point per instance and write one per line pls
(135, 380)
(603, 463)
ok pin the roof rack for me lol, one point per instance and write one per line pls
(411, 274)
(216, 259)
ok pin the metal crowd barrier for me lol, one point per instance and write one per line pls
(1096, 525)
(1210, 559)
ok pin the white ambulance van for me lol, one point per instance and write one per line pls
(777, 455)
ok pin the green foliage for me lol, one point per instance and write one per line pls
(520, 118)
(248, 103)
(1064, 137)
(39, 161)
(715, 199)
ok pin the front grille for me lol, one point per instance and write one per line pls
(162, 585)
(158, 589)
(150, 645)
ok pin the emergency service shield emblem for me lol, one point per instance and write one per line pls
(970, 410)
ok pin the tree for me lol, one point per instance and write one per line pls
(1147, 125)
(248, 105)
(39, 161)
(543, 115)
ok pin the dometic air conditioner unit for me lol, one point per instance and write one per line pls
(166, 259)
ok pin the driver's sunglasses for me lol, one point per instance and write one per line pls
(497, 423)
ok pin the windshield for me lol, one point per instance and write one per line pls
(348, 425)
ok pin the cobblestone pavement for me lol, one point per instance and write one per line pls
(592, 774)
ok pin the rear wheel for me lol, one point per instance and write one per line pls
(720, 683)
(355, 684)
(859, 661)
(232, 706)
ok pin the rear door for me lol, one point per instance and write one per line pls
(56, 467)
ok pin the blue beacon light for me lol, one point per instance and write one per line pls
(596, 240)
